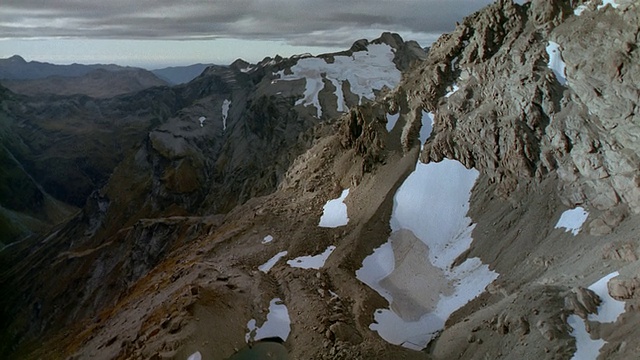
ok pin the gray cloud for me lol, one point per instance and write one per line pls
(303, 22)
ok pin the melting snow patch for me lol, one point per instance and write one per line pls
(579, 10)
(195, 356)
(312, 262)
(608, 2)
(267, 239)
(414, 271)
(453, 90)
(610, 308)
(334, 212)
(202, 119)
(555, 62)
(271, 262)
(278, 323)
(339, 94)
(586, 348)
(225, 112)
(572, 220)
(608, 312)
(427, 126)
(391, 121)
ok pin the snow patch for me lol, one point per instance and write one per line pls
(392, 119)
(610, 308)
(195, 356)
(365, 71)
(271, 262)
(334, 212)
(608, 312)
(430, 206)
(278, 323)
(453, 90)
(579, 10)
(312, 262)
(556, 64)
(226, 104)
(572, 220)
(341, 106)
(586, 348)
(427, 126)
(613, 3)
(267, 239)
(202, 119)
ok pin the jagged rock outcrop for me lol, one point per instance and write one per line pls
(505, 113)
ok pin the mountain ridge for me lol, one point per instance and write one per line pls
(170, 263)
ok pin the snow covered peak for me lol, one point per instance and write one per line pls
(364, 71)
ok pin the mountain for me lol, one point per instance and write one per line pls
(17, 68)
(99, 83)
(35, 78)
(479, 201)
(211, 144)
(176, 75)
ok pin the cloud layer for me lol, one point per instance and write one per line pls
(300, 22)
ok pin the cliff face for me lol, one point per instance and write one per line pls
(161, 276)
(512, 118)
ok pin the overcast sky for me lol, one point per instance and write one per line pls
(154, 33)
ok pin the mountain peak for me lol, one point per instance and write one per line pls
(17, 59)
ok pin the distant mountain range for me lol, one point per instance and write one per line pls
(96, 80)
(17, 68)
(177, 75)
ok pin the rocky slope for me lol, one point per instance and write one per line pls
(222, 139)
(169, 257)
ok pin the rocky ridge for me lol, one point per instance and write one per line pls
(221, 140)
(191, 283)
(578, 128)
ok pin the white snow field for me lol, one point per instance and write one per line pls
(202, 119)
(572, 220)
(271, 262)
(226, 104)
(278, 323)
(312, 262)
(556, 64)
(414, 269)
(608, 312)
(267, 239)
(334, 212)
(364, 70)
